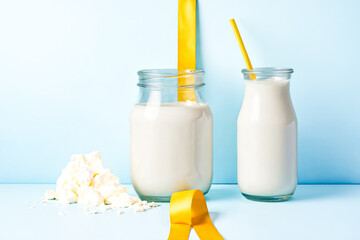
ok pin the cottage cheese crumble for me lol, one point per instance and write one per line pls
(85, 181)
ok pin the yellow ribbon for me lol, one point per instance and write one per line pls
(188, 209)
(186, 48)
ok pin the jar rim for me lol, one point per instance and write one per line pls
(168, 73)
(169, 78)
(268, 70)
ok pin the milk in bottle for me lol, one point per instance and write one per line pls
(267, 137)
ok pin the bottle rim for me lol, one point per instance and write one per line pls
(268, 70)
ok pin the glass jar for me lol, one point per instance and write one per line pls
(170, 135)
(267, 136)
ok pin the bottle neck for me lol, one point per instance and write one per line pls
(267, 90)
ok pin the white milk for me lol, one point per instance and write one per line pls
(171, 148)
(267, 140)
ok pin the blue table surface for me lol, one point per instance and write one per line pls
(315, 212)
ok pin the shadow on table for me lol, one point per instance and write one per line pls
(223, 193)
(313, 192)
(214, 216)
(302, 193)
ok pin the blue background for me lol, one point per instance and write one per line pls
(68, 79)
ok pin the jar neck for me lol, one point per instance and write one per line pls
(159, 86)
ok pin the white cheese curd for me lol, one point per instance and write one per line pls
(50, 195)
(107, 184)
(61, 213)
(122, 200)
(67, 195)
(85, 181)
(89, 197)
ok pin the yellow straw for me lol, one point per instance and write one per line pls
(242, 47)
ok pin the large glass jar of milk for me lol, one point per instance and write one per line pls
(170, 134)
(267, 136)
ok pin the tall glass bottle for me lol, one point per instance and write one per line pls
(267, 136)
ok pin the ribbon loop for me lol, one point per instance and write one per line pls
(188, 209)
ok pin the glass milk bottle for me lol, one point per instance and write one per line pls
(267, 136)
(170, 135)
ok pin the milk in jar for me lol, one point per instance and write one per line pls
(267, 137)
(170, 141)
